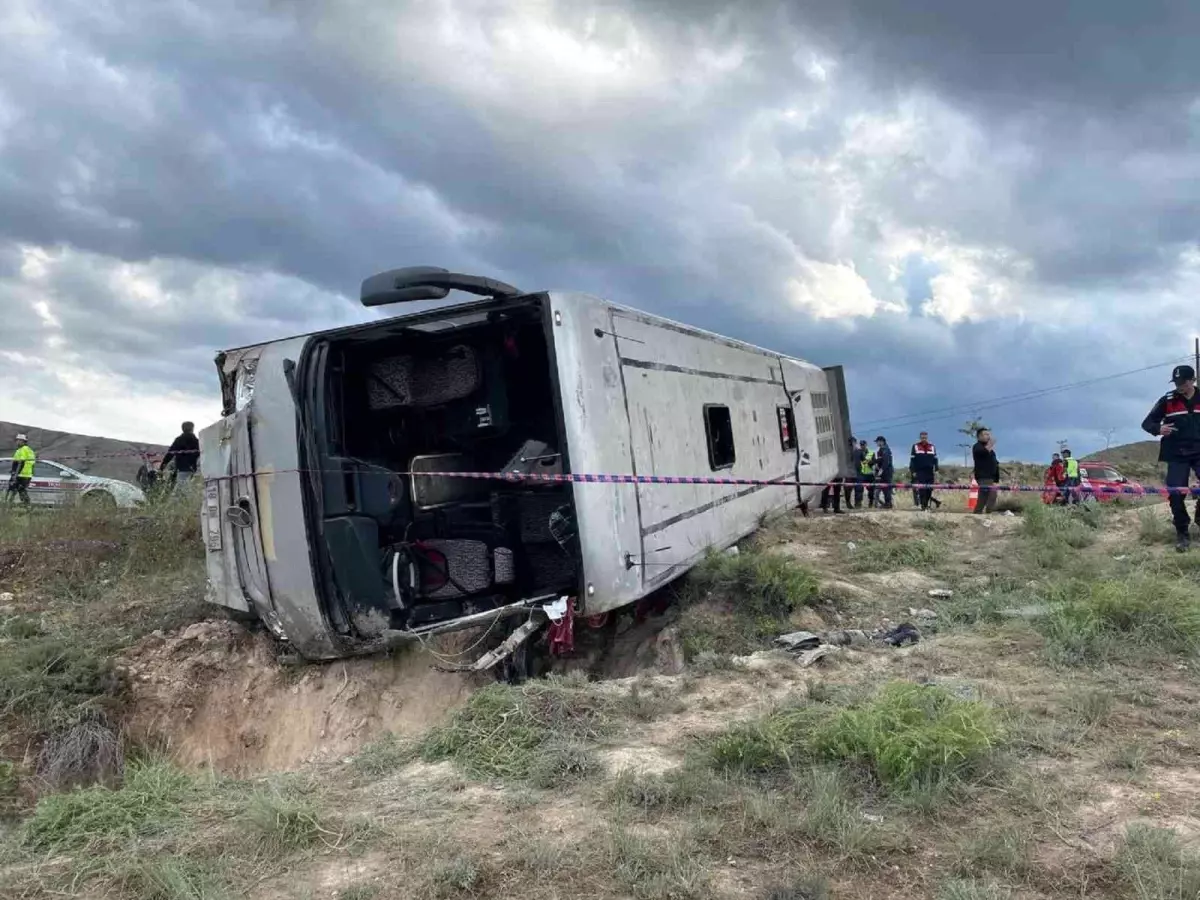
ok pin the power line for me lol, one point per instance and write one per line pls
(947, 412)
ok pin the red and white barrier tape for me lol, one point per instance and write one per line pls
(590, 478)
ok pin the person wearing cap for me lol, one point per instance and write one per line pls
(1176, 419)
(885, 472)
(23, 459)
(1071, 469)
(923, 464)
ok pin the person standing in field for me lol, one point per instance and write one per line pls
(864, 473)
(23, 459)
(885, 472)
(923, 464)
(185, 453)
(987, 470)
(1071, 468)
(1176, 419)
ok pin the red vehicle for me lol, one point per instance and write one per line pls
(1106, 483)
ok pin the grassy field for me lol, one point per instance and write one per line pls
(1038, 742)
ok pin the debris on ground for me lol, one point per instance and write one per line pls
(902, 635)
(808, 657)
(941, 593)
(921, 613)
(806, 644)
(850, 637)
(798, 640)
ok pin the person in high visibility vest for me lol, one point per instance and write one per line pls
(1071, 470)
(864, 463)
(23, 459)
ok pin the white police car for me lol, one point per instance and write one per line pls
(54, 484)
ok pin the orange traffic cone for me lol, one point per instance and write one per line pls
(973, 495)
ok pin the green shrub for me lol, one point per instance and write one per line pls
(912, 734)
(168, 878)
(383, 756)
(147, 803)
(755, 591)
(756, 582)
(1055, 529)
(1120, 617)
(51, 680)
(907, 736)
(283, 822)
(504, 730)
(772, 743)
(1153, 527)
(885, 556)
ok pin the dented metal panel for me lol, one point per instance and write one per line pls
(597, 435)
(635, 388)
(265, 565)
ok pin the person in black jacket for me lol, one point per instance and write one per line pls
(885, 472)
(1176, 419)
(185, 453)
(987, 471)
(923, 464)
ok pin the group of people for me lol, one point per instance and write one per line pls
(181, 460)
(873, 473)
(1062, 479)
(1175, 420)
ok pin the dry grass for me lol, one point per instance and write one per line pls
(86, 584)
(998, 758)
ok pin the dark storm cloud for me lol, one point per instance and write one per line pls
(1102, 94)
(1103, 55)
(298, 147)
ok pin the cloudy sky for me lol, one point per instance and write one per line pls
(957, 201)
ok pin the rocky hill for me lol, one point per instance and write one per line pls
(107, 457)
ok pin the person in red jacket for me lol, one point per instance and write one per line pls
(1176, 419)
(923, 466)
(1056, 477)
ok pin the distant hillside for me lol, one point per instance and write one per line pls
(1138, 460)
(105, 457)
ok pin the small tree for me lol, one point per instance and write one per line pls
(971, 428)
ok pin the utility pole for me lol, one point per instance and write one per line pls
(1197, 369)
(966, 449)
(1062, 445)
(1107, 434)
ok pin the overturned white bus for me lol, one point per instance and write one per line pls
(321, 522)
